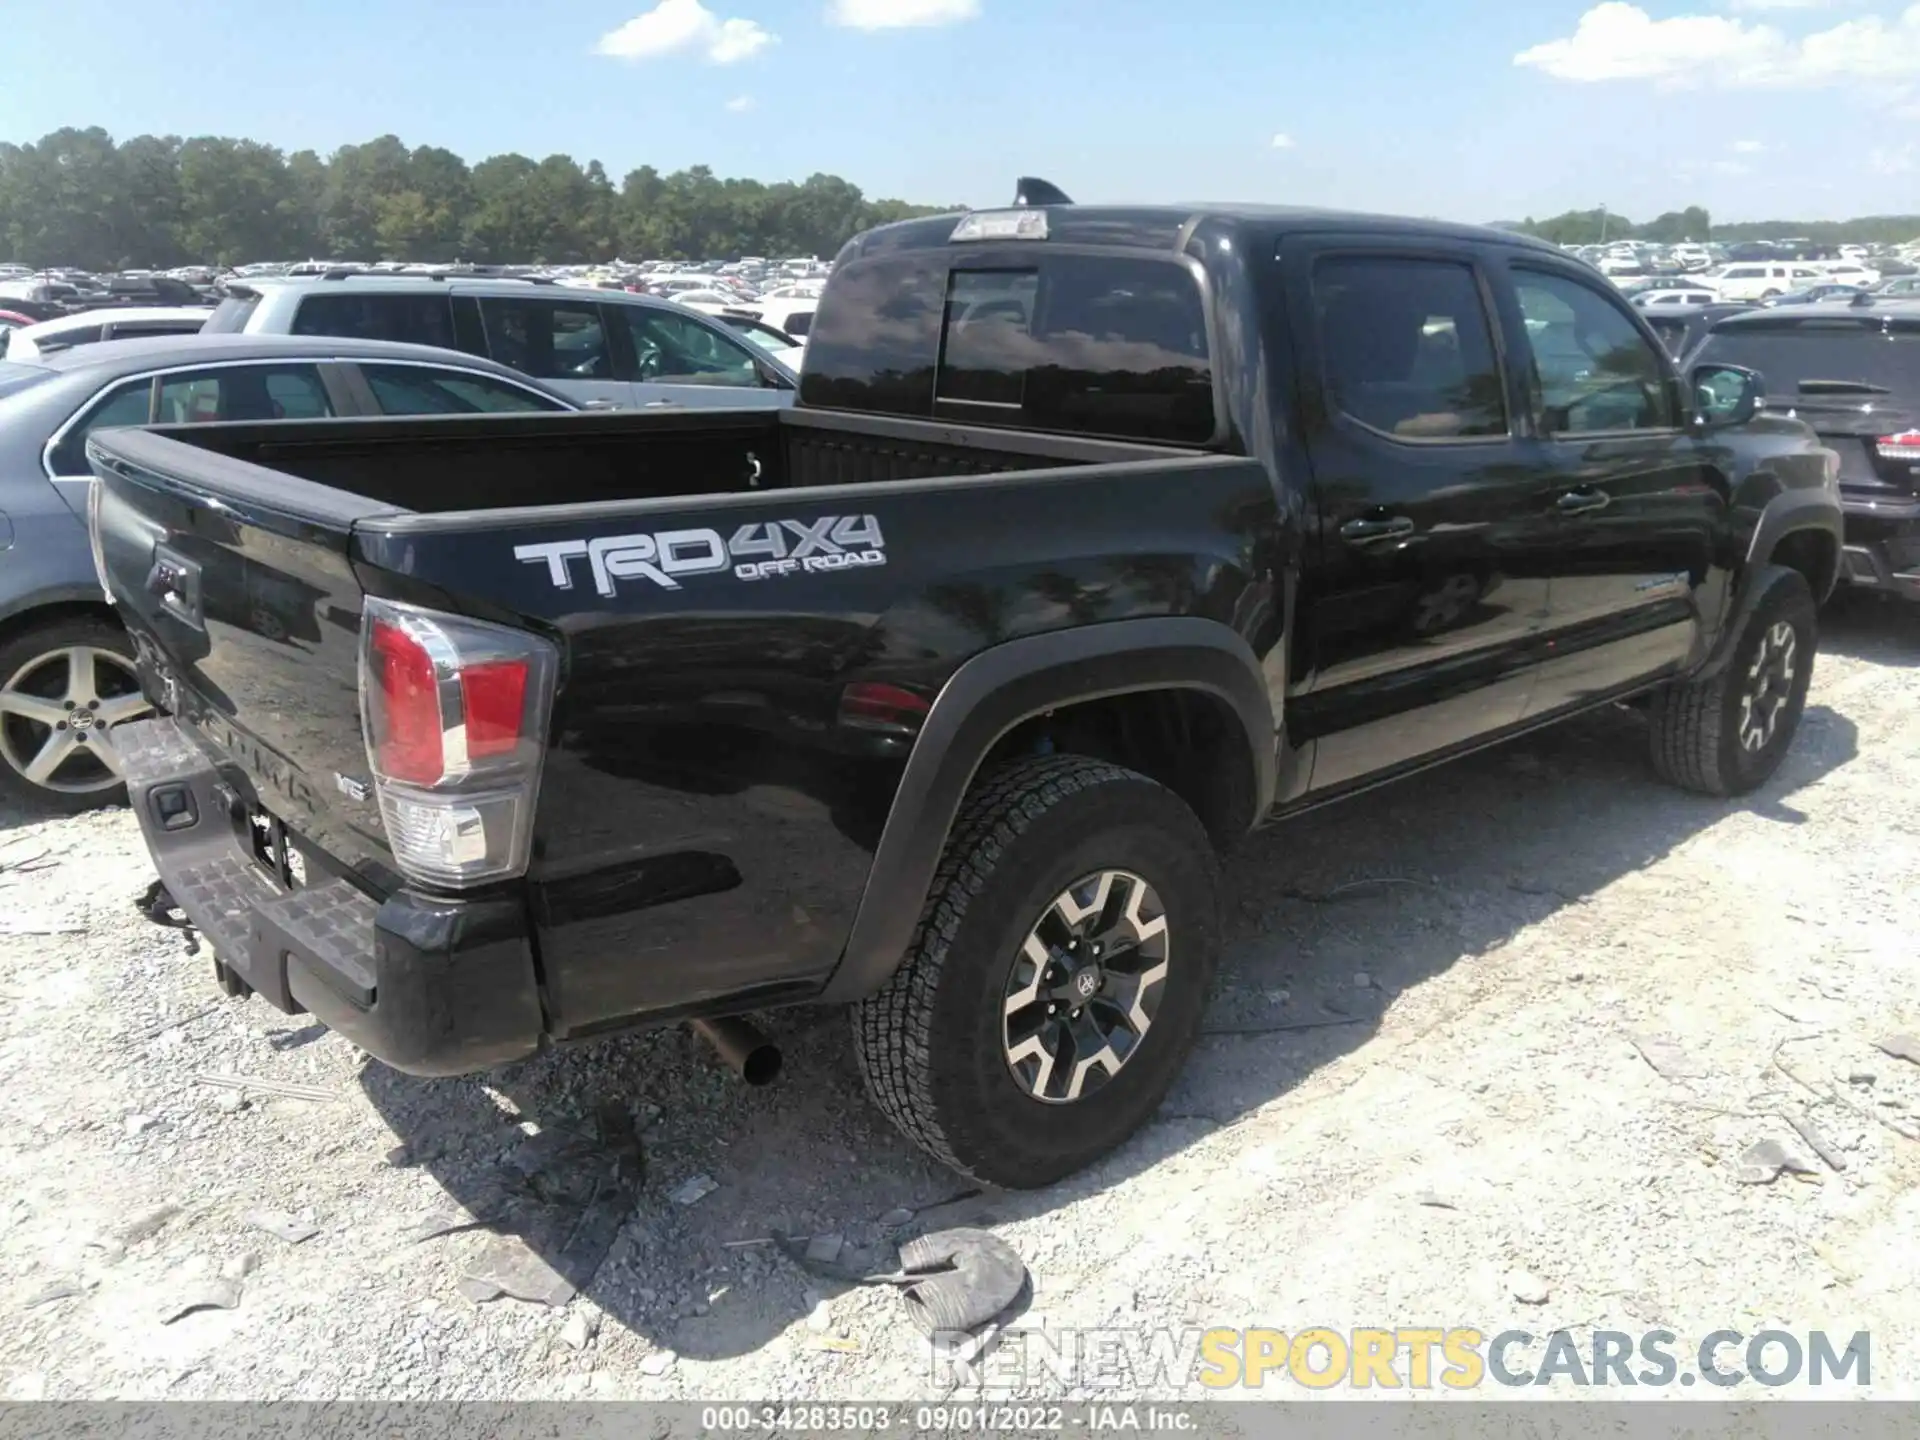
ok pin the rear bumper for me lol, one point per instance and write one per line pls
(431, 987)
(1882, 554)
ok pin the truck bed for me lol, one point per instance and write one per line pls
(434, 465)
(720, 588)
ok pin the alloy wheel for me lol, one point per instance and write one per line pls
(1086, 986)
(57, 716)
(1769, 686)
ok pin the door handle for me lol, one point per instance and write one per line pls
(1582, 502)
(1366, 532)
(659, 404)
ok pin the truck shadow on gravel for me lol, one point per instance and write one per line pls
(1865, 625)
(1330, 917)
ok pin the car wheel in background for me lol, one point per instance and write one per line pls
(64, 686)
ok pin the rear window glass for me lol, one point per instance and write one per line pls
(230, 315)
(1090, 345)
(412, 319)
(1835, 349)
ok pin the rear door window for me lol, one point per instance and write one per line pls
(244, 392)
(409, 319)
(1407, 347)
(550, 339)
(421, 390)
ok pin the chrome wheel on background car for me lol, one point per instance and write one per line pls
(1086, 986)
(57, 713)
(1769, 686)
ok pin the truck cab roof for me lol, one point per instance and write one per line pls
(1165, 227)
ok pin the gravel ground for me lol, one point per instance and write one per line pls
(1499, 955)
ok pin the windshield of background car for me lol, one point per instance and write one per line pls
(1112, 346)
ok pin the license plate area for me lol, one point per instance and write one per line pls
(274, 852)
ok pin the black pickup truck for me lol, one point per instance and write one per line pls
(1098, 537)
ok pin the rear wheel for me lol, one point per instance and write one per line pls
(1057, 979)
(64, 686)
(1727, 733)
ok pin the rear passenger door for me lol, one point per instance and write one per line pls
(561, 340)
(1636, 506)
(1429, 507)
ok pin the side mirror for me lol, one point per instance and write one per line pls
(1727, 394)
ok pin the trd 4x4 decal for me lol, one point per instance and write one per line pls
(760, 551)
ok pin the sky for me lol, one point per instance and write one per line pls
(1474, 110)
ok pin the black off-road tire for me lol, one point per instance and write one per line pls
(1696, 724)
(931, 1044)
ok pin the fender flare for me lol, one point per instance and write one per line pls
(1792, 510)
(991, 694)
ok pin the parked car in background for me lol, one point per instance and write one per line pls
(1853, 374)
(1848, 272)
(1825, 293)
(60, 644)
(88, 327)
(1663, 299)
(785, 348)
(595, 346)
(1899, 285)
(1760, 281)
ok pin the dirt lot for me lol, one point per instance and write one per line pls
(1474, 1123)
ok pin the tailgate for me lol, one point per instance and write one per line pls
(1854, 428)
(236, 585)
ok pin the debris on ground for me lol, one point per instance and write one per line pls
(1528, 1288)
(1766, 1161)
(200, 1295)
(581, 1327)
(690, 1191)
(63, 1289)
(148, 1223)
(1666, 1056)
(657, 1363)
(1901, 1047)
(282, 1226)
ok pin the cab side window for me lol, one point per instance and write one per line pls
(1593, 371)
(1407, 347)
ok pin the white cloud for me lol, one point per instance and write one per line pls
(900, 14)
(673, 26)
(1892, 162)
(1779, 4)
(740, 104)
(1283, 141)
(1748, 147)
(1620, 41)
(1730, 167)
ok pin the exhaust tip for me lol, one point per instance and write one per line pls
(742, 1048)
(762, 1065)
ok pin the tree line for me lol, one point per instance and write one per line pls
(1593, 227)
(76, 197)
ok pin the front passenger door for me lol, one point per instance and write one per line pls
(681, 360)
(1636, 507)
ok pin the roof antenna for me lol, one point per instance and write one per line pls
(1030, 190)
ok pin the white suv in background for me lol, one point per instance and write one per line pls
(604, 348)
(1760, 279)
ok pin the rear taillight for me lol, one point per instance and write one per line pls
(1904, 446)
(455, 714)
